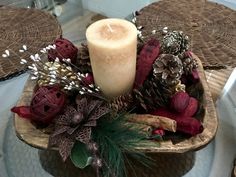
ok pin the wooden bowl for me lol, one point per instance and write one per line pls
(38, 138)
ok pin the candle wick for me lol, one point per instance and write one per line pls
(109, 27)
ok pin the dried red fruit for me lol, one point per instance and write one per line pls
(158, 131)
(88, 79)
(195, 76)
(146, 58)
(22, 111)
(191, 109)
(165, 113)
(191, 78)
(188, 125)
(46, 103)
(179, 101)
(64, 49)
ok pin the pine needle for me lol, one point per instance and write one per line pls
(117, 141)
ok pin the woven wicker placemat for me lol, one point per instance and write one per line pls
(211, 27)
(19, 26)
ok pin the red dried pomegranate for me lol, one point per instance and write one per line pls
(47, 102)
(189, 125)
(179, 101)
(64, 49)
(192, 108)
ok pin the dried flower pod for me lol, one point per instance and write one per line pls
(47, 102)
(22, 111)
(191, 78)
(185, 124)
(179, 101)
(191, 109)
(64, 49)
(147, 56)
(189, 125)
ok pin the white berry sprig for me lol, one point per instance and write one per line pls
(55, 72)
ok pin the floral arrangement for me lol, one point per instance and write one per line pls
(94, 130)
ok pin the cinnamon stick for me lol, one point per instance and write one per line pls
(154, 121)
(146, 129)
(185, 124)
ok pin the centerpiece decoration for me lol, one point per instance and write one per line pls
(115, 95)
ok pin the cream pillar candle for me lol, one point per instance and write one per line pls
(112, 47)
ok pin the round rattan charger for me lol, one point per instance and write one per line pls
(21, 26)
(210, 26)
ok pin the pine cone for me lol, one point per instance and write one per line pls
(168, 69)
(83, 60)
(152, 95)
(121, 103)
(175, 42)
(189, 63)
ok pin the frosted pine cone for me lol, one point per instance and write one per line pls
(175, 42)
(189, 63)
(168, 69)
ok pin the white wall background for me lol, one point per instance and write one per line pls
(115, 8)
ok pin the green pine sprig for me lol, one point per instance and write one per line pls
(118, 143)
